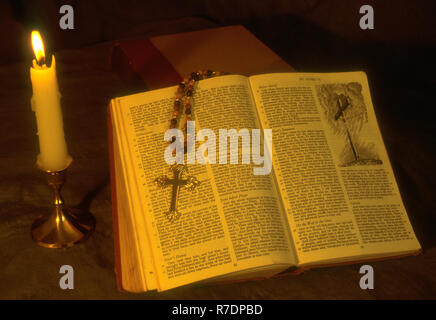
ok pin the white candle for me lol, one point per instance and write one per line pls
(46, 105)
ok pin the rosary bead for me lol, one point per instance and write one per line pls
(184, 92)
(195, 76)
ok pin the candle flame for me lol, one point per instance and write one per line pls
(38, 46)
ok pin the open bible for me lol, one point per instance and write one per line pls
(330, 197)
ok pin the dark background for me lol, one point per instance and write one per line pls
(312, 36)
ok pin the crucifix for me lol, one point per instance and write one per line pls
(343, 103)
(178, 180)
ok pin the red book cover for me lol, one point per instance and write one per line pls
(162, 61)
(139, 61)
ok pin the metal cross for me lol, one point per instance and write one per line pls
(190, 183)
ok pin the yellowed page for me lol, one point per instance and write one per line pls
(335, 178)
(131, 275)
(199, 244)
(252, 211)
(128, 185)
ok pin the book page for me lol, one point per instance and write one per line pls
(203, 242)
(335, 178)
(127, 196)
(132, 277)
(253, 213)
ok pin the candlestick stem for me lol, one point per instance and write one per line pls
(63, 227)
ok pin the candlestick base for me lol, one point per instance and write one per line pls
(63, 227)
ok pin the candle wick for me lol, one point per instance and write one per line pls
(41, 62)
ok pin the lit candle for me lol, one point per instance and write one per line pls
(46, 105)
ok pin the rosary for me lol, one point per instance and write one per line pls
(181, 178)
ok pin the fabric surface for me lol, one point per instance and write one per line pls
(402, 94)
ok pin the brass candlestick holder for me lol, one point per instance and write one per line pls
(63, 227)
